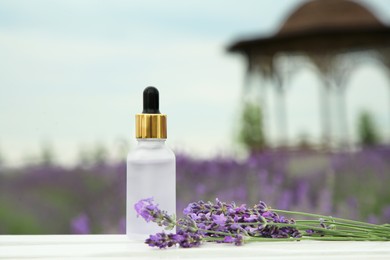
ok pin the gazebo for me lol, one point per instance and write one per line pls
(331, 37)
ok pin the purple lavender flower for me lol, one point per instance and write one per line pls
(239, 240)
(386, 214)
(219, 219)
(262, 207)
(194, 216)
(226, 223)
(188, 239)
(187, 224)
(183, 238)
(268, 214)
(188, 209)
(192, 207)
(148, 210)
(228, 239)
(80, 224)
(160, 240)
(310, 232)
(251, 218)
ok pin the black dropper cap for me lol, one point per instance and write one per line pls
(151, 123)
(151, 101)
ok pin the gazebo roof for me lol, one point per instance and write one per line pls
(322, 25)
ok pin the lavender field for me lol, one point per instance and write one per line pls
(48, 199)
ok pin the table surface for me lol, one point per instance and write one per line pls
(120, 247)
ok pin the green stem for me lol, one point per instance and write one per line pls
(349, 227)
(358, 232)
(352, 230)
(267, 239)
(343, 239)
(263, 239)
(331, 218)
(324, 230)
(213, 239)
(216, 232)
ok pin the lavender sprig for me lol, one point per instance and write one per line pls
(228, 223)
(184, 239)
(148, 210)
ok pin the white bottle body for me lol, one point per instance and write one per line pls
(151, 172)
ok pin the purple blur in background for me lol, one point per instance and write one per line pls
(46, 199)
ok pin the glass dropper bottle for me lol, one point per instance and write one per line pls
(151, 167)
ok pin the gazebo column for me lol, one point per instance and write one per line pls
(264, 67)
(322, 64)
(325, 113)
(281, 112)
(388, 77)
(343, 118)
(384, 57)
(342, 67)
(334, 69)
(283, 67)
(264, 106)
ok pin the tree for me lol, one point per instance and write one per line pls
(251, 134)
(47, 154)
(367, 130)
(2, 160)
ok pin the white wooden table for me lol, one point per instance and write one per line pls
(119, 247)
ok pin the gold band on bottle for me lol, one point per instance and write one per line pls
(151, 126)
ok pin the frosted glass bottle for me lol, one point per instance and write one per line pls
(151, 172)
(151, 168)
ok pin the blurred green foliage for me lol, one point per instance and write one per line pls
(367, 130)
(251, 134)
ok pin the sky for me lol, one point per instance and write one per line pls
(72, 74)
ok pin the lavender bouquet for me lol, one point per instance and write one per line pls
(228, 223)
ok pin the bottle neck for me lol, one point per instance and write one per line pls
(150, 142)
